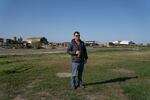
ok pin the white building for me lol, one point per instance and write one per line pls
(115, 42)
(123, 42)
(34, 39)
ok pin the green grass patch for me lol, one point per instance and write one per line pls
(110, 74)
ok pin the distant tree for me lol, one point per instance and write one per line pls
(111, 43)
(15, 42)
(148, 44)
(131, 43)
(44, 40)
(9, 41)
(20, 40)
(15, 38)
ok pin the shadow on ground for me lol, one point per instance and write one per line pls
(120, 79)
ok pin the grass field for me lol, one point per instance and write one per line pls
(110, 74)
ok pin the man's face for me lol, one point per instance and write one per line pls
(77, 36)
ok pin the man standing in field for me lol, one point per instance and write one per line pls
(79, 55)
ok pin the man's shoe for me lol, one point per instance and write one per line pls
(75, 87)
(81, 85)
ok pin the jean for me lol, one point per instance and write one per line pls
(77, 71)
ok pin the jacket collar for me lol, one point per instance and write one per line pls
(73, 41)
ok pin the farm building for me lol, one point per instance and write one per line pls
(33, 39)
(123, 42)
(37, 39)
(91, 43)
(37, 42)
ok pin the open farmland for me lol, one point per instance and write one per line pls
(110, 74)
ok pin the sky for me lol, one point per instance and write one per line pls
(98, 20)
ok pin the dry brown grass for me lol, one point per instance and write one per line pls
(63, 75)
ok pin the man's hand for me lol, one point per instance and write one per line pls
(77, 52)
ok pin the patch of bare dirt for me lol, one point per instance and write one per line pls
(116, 92)
(32, 84)
(95, 97)
(63, 75)
(46, 96)
(19, 97)
(122, 70)
(148, 81)
(110, 92)
(43, 94)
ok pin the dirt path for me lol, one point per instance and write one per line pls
(30, 51)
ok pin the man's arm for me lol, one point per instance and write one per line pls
(70, 50)
(85, 53)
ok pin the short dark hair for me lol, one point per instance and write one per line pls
(76, 32)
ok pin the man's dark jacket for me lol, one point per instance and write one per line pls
(73, 47)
